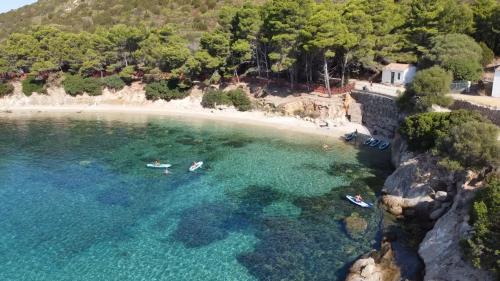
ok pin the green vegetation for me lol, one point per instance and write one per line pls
(237, 98)
(113, 82)
(429, 87)
(164, 90)
(298, 40)
(472, 144)
(459, 54)
(483, 247)
(488, 54)
(32, 84)
(463, 138)
(77, 85)
(6, 89)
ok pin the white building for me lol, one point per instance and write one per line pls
(496, 84)
(398, 74)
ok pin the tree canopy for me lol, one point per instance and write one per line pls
(300, 41)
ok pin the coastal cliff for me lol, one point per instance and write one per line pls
(421, 190)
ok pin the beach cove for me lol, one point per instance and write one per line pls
(86, 203)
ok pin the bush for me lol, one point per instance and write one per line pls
(127, 74)
(215, 97)
(33, 85)
(6, 89)
(473, 144)
(240, 100)
(483, 246)
(76, 85)
(429, 87)
(488, 54)
(423, 130)
(162, 90)
(113, 82)
(237, 98)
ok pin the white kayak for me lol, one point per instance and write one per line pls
(195, 166)
(158, 165)
(361, 204)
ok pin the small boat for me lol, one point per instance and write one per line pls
(368, 141)
(350, 136)
(374, 143)
(384, 145)
(195, 166)
(152, 165)
(362, 204)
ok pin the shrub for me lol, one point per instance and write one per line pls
(429, 87)
(113, 82)
(6, 89)
(127, 74)
(423, 130)
(240, 100)
(473, 144)
(76, 85)
(33, 85)
(215, 97)
(162, 90)
(488, 54)
(482, 247)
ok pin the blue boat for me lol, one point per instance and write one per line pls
(368, 141)
(384, 145)
(374, 143)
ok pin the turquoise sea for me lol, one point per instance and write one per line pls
(78, 203)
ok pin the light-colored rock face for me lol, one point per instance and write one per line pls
(376, 266)
(415, 183)
(441, 251)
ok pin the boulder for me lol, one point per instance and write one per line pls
(441, 196)
(355, 225)
(355, 113)
(376, 266)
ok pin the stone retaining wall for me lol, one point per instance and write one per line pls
(491, 113)
(380, 113)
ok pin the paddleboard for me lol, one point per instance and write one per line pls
(158, 166)
(361, 204)
(196, 166)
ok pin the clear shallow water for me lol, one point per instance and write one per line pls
(78, 203)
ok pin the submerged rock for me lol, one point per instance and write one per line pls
(355, 225)
(376, 266)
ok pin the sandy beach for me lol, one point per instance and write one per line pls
(132, 101)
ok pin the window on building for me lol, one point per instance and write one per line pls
(399, 75)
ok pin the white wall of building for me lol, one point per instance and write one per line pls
(496, 84)
(400, 77)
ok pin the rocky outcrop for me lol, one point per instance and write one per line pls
(418, 187)
(441, 251)
(376, 266)
(324, 109)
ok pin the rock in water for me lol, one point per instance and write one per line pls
(376, 266)
(355, 225)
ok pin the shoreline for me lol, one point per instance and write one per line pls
(254, 118)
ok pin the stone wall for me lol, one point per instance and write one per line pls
(380, 113)
(489, 112)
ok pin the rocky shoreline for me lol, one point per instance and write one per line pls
(439, 200)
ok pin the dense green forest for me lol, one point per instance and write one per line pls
(191, 17)
(297, 40)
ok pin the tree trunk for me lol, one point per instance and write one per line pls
(344, 66)
(236, 74)
(257, 57)
(327, 76)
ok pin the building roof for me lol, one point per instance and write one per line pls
(397, 66)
